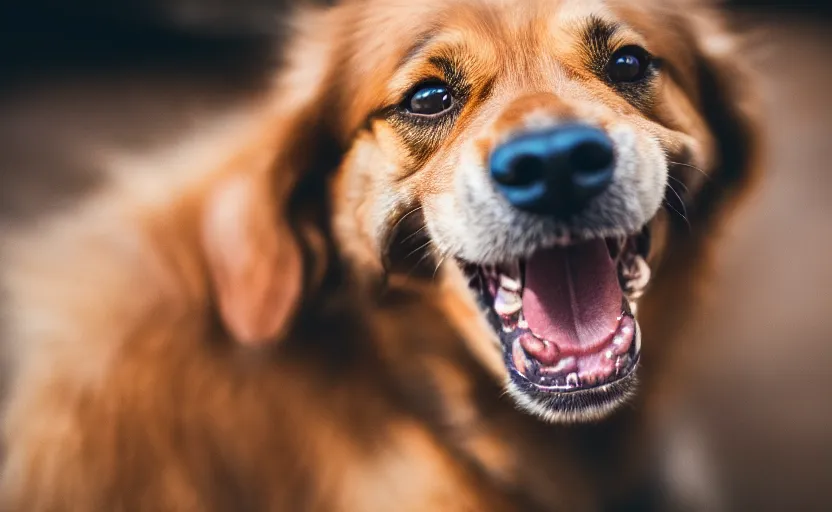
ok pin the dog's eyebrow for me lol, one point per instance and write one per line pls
(598, 34)
(422, 41)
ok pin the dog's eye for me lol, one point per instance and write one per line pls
(429, 100)
(629, 64)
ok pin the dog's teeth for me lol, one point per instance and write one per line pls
(610, 354)
(572, 379)
(507, 302)
(522, 323)
(638, 340)
(637, 273)
(509, 283)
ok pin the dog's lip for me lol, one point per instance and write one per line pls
(606, 386)
(581, 405)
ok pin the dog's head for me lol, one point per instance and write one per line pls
(524, 155)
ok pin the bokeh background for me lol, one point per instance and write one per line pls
(82, 78)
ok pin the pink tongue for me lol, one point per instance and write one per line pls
(571, 295)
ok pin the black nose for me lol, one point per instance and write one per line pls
(554, 172)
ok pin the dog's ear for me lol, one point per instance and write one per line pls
(728, 102)
(261, 228)
(254, 260)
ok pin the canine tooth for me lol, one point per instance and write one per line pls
(638, 275)
(572, 379)
(507, 302)
(643, 270)
(509, 283)
(638, 339)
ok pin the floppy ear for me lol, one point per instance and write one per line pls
(254, 260)
(260, 233)
(729, 105)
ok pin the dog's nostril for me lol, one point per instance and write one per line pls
(591, 156)
(592, 167)
(523, 170)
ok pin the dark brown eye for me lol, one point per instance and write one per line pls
(629, 64)
(429, 100)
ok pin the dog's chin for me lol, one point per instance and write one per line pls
(566, 322)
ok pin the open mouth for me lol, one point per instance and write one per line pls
(565, 319)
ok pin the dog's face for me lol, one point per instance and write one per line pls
(519, 153)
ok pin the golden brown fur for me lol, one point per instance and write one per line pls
(239, 339)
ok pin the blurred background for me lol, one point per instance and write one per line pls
(133, 76)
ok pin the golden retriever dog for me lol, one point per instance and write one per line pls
(427, 280)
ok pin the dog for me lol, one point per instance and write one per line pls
(421, 282)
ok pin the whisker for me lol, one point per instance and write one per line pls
(405, 216)
(441, 261)
(684, 217)
(680, 182)
(681, 201)
(414, 251)
(691, 166)
(411, 235)
(425, 256)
